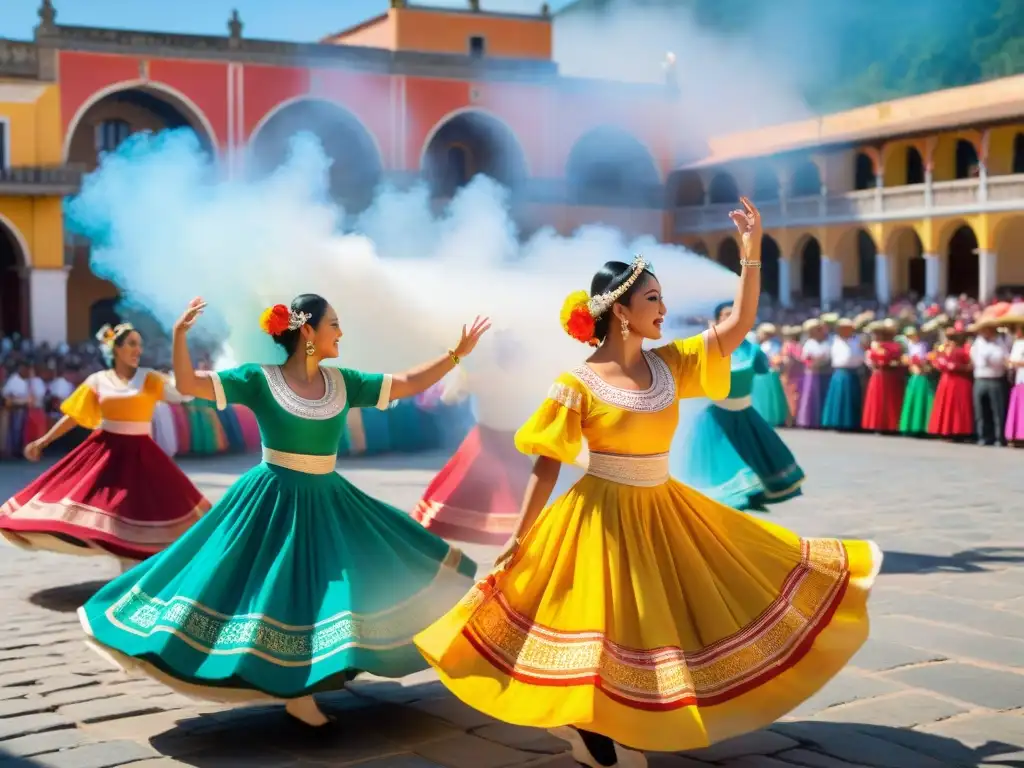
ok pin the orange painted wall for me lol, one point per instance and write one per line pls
(368, 97)
(375, 33)
(447, 32)
(523, 108)
(82, 75)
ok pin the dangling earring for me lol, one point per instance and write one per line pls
(625, 328)
(310, 349)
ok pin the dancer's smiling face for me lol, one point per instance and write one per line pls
(645, 310)
(326, 335)
(128, 349)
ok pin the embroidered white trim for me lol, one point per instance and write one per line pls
(127, 427)
(735, 403)
(639, 471)
(384, 399)
(327, 407)
(566, 396)
(310, 464)
(218, 388)
(659, 396)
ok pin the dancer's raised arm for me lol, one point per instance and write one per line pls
(186, 380)
(418, 379)
(731, 331)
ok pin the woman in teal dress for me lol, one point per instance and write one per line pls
(767, 392)
(295, 581)
(730, 453)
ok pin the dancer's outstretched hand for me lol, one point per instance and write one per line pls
(470, 337)
(747, 221)
(192, 312)
(34, 450)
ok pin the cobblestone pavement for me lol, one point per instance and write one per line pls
(940, 683)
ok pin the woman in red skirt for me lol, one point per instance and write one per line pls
(883, 403)
(117, 493)
(953, 412)
(476, 497)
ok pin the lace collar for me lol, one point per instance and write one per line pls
(660, 395)
(326, 407)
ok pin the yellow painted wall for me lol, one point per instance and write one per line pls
(33, 113)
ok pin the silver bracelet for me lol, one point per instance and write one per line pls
(745, 263)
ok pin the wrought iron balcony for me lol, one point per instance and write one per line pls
(40, 180)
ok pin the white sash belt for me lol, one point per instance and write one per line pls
(127, 427)
(309, 463)
(735, 403)
(641, 471)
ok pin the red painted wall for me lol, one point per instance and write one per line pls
(82, 75)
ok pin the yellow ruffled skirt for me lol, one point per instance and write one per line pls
(656, 617)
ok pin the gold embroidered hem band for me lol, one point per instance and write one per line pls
(734, 403)
(310, 464)
(640, 471)
(127, 427)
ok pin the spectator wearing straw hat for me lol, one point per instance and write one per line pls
(989, 357)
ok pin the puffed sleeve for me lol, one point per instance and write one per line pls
(555, 429)
(83, 405)
(699, 368)
(367, 390)
(235, 385)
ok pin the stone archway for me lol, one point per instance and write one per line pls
(770, 256)
(468, 143)
(100, 126)
(356, 164)
(610, 167)
(729, 255)
(810, 268)
(14, 310)
(962, 268)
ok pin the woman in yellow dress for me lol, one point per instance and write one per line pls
(634, 610)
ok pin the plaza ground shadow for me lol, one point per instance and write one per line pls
(380, 719)
(66, 598)
(979, 560)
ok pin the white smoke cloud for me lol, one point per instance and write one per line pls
(167, 228)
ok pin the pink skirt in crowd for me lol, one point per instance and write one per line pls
(1015, 415)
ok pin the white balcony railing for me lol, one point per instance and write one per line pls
(942, 198)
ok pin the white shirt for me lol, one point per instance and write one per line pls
(847, 353)
(815, 350)
(61, 388)
(989, 358)
(37, 387)
(1017, 355)
(16, 388)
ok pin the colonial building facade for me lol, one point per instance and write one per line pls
(922, 195)
(416, 93)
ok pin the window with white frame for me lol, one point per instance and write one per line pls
(110, 134)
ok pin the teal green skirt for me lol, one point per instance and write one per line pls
(843, 402)
(292, 584)
(770, 399)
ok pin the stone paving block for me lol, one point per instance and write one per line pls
(993, 738)
(957, 613)
(809, 759)
(159, 762)
(33, 663)
(454, 711)
(40, 743)
(140, 728)
(79, 694)
(662, 760)
(878, 656)
(851, 743)
(525, 739)
(105, 755)
(901, 710)
(994, 689)
(471, 752)
(847, 686)
(756, 743)
(949, 641)
(400, 761)
(106, 709)
(23, 706)
(237, 755)
(10, 727)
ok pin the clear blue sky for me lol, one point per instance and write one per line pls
(304, 20)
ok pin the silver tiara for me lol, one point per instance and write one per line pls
(601, 303)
